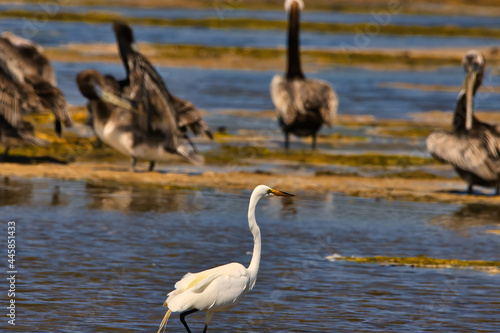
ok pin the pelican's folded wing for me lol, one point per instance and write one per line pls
(189, 117)
(320, 96)
(468, 153)
(282, 99)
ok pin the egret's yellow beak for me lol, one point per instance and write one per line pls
(281, 194)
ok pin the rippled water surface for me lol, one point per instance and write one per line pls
(101, 258)
(61, 33)
(361, 91)
(225, 11)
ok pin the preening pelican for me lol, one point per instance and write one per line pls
(302, 105)
(28, 66)
(145, 86)
(15, 100)
(473, 147)
(117, 123)
(220, 288)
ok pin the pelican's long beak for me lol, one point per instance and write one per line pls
(111, 98)
(470, 78)
(281, 194)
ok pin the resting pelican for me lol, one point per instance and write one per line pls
(25, 60)
(473, 147)
(302, 105)
(118, 124)
(15, 100)
(223, 287)
(144, 84)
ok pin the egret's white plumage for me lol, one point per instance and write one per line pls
(223, 287)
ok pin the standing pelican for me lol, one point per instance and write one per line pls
(15, 100)
(223, 287)
(117, 123)
(302, 105)
(473, 147)
(25, 60)
(145, 85)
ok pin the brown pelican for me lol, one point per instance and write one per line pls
(302, 105)
(473, 147)
(24, 59)
(15, 100)
(117, 123)
(144, 85)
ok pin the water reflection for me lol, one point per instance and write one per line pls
(469, 216)
(137, 199)
(15, 192)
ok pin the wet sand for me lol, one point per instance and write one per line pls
(269, 59)
(445, 191)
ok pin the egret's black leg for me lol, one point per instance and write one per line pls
(6, 152)
(205, 328)
(133, 162)
(183, 321)
(314, 141)
(469, 190)
(287, 138)
(58, 127)
(497, 192)
(152, 166)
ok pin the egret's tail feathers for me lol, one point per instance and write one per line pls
(163, 324)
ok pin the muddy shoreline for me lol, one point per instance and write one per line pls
(420, 190)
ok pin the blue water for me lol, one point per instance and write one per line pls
(95, 258)
(61, 33)
(359, 89)
(226, 11)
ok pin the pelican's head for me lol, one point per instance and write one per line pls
(289, 4)
(473, 61)
(89, 81)
(124, 33)
(474, 65)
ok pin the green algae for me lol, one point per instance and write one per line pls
(197, 54)
(248, 23)
(414, 132)
(221, 6)
(336, 173)
(425, 262)
(415, 174)
(369, 159)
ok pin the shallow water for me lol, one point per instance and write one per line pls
(99, 258)
(361, 91)
(61, 33)
(226, 12)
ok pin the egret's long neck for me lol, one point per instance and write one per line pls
(294, 70)
(254, 228)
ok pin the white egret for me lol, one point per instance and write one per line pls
(220, 288)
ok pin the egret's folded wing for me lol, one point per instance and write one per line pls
(467, 153)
